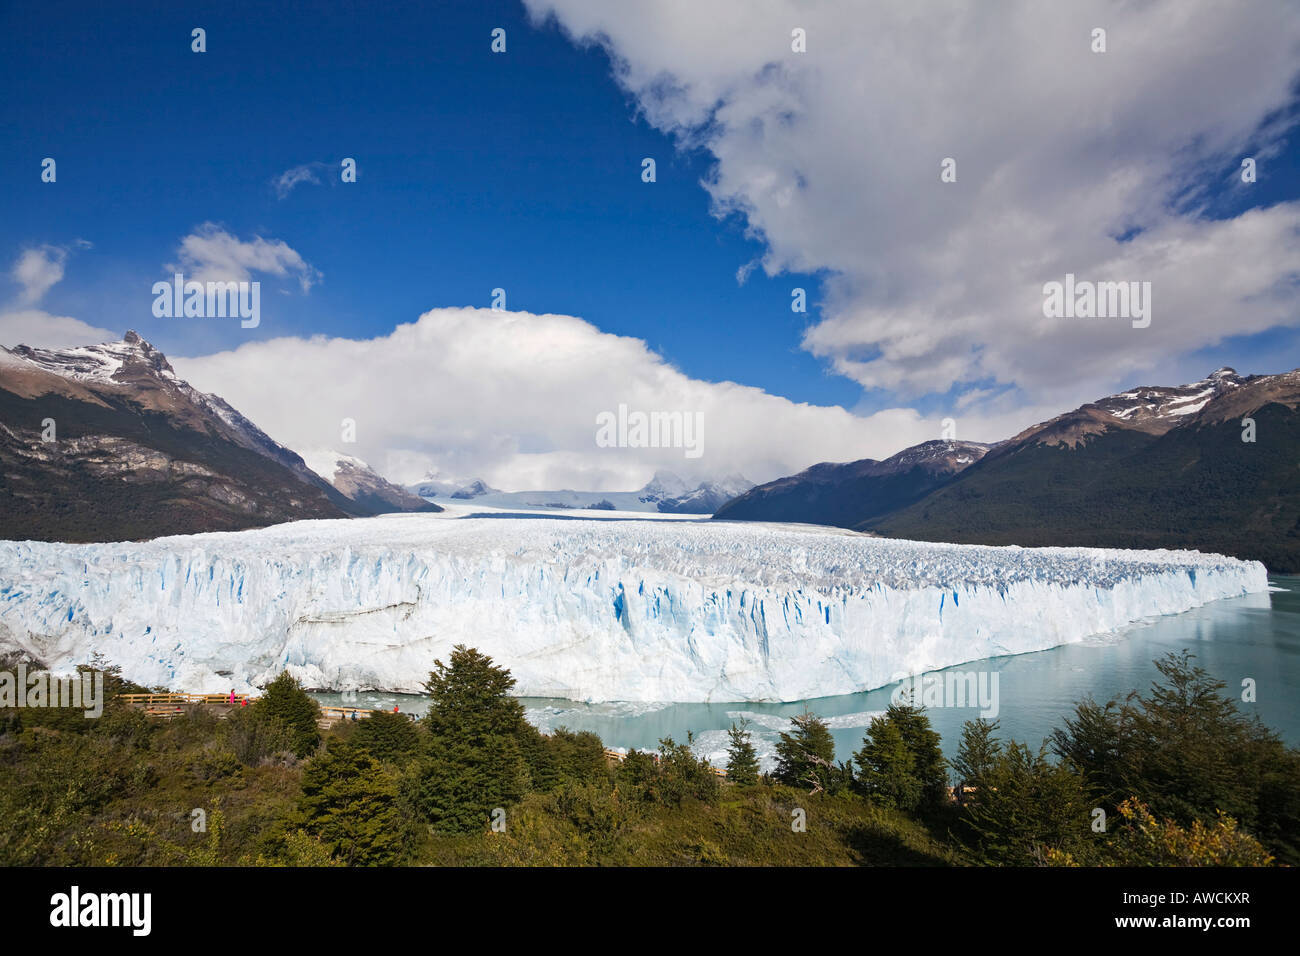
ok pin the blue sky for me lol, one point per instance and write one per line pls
(476, 171)
(522, 171)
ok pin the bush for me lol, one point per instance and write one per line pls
(387, 737)
(1142, 840)
(254, 737)
(350, 800)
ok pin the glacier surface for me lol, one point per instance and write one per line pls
(599, 610)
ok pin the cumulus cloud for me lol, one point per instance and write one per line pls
(40, 329)
(1068, 161)
(211, 254)
(513, 398)
(37, 270)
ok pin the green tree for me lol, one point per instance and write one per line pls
(928, 764)
(638, 774)
(1094, 741)
(742, 759)
(886, 767)
(1187, 752)
(350, 800)
(475, 760)
(805, 756)
(285, 701)
(577, 757)
(1027, 806)
(977, 754)
(681, 774)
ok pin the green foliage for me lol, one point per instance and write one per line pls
(742, 759)
(1142, 840)
(577, 757)
(350, 801)
(600, 815)
(901, 762)
(1026, 806)
(477, 739)
(122, 791)
(388, 737)
(1186, 751)
(886, 768)
(978, 753)
(805, 757)
(253, 738)
(284, 701)
(670, 777)
(684, 776)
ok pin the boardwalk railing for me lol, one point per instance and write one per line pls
(181, 700)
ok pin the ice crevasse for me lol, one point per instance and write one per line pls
(595, 610)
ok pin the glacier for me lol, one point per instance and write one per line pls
(584, 609)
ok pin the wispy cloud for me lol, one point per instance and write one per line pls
(285, 183)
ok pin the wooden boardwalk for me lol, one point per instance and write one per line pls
(167, 706)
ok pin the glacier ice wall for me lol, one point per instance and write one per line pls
(583, 609)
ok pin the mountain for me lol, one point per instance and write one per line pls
(663, 486)
(1153, 467)
(434, 487)
(136, 452)
(355, 479)
(705, 498)
(665, 493)
(847, 493)
(475, 489)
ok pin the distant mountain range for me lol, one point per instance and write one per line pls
(1154, 467)
(106, 443)
(666, 493)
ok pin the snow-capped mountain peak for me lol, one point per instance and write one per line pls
(1168, 403)
(664, 485)
(434, 485)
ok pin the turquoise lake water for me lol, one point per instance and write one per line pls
(1256, 636)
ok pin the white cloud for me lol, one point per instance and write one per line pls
(290, 178)
(833, 158)
(37, 270)
(513, 397)
(211, 254)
